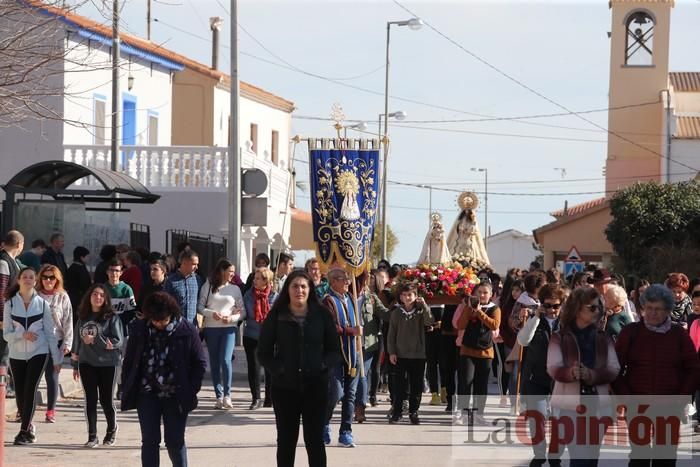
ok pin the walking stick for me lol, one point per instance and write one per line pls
(358, 339)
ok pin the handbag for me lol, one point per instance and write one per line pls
(200, 317)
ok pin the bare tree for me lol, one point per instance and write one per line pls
(38, 50)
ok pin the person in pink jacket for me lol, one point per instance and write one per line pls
(582, 362)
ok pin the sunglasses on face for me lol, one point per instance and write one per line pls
(549, 306)
(48, 278)
(593, 307)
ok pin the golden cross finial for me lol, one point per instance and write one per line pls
(338, 116)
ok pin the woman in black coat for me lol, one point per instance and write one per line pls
(536, 384)
(298, 344)
(162, 373)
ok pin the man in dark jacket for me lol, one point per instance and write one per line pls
(54, 254)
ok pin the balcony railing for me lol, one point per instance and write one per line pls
(180, 168)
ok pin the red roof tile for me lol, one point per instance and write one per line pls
(685, 81)
(247, 90)
(687, 128)
(579, 208)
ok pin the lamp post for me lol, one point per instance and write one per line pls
(486, 201)
(413, 24)
(362, 126)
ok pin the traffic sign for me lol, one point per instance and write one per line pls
(573, 256)
(571, 268)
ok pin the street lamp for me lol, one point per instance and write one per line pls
(362, 126)
(486, 201)
(398, 115)
(414, 24)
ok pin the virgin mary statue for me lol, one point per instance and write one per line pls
(435, 246)
(464, 238)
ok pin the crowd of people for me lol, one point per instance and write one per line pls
(144, 327)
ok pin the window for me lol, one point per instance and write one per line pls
(99, 121)
(152, 129)
(640, 39)
(254, 137)
(275, 147)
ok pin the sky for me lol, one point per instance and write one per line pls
(499, 55)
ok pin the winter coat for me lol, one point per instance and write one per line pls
(187, 361)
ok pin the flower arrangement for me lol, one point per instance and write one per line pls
(471, 263)
(436, 280)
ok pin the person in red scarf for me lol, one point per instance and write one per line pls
(257, 302)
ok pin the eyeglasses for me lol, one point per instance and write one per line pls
(48, 278)
(593, 307)
(549, 306)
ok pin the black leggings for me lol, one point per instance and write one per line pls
(473, 382)
(27, 374)
(434, 369)
(448, 362)
(308, 404)
(250, 345)
(98, 381)
(500, 363)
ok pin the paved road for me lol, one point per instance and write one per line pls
(243, 438)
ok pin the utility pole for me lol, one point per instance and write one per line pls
(148, 19)
(115, 86)
(234, 152)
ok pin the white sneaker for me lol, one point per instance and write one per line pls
(219, 404)
(479, 420)
(227, 403)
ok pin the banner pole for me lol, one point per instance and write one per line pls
(358, 339)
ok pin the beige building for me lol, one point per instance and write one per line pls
(653, 123)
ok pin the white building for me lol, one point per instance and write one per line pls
(174, 132)
(511, 249)
(684, 127)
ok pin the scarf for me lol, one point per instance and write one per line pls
(585, 338)
(663, 328)
(158, 376)
(262, 303)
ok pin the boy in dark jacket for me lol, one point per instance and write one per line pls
(406, 348)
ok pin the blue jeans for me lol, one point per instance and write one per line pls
(51, 378)
(364, 381)
(220, 343)
(151, 409)
(342, 386)
(584, 454)
(537, 425)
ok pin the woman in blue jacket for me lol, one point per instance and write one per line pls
(28, 328)
(162, 374)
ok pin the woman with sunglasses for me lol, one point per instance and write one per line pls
(163, 369)
(536, 386)
(97, 339)
(28, 328)
(582, 361)
(50, 288)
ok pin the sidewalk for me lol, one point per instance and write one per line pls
(69, 388)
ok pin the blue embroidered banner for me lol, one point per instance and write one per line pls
(344, 185)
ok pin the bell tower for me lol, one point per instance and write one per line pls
(639, 52)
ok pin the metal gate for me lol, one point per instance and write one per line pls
(140, 236)
(210, 248)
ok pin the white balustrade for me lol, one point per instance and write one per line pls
(180, 167)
